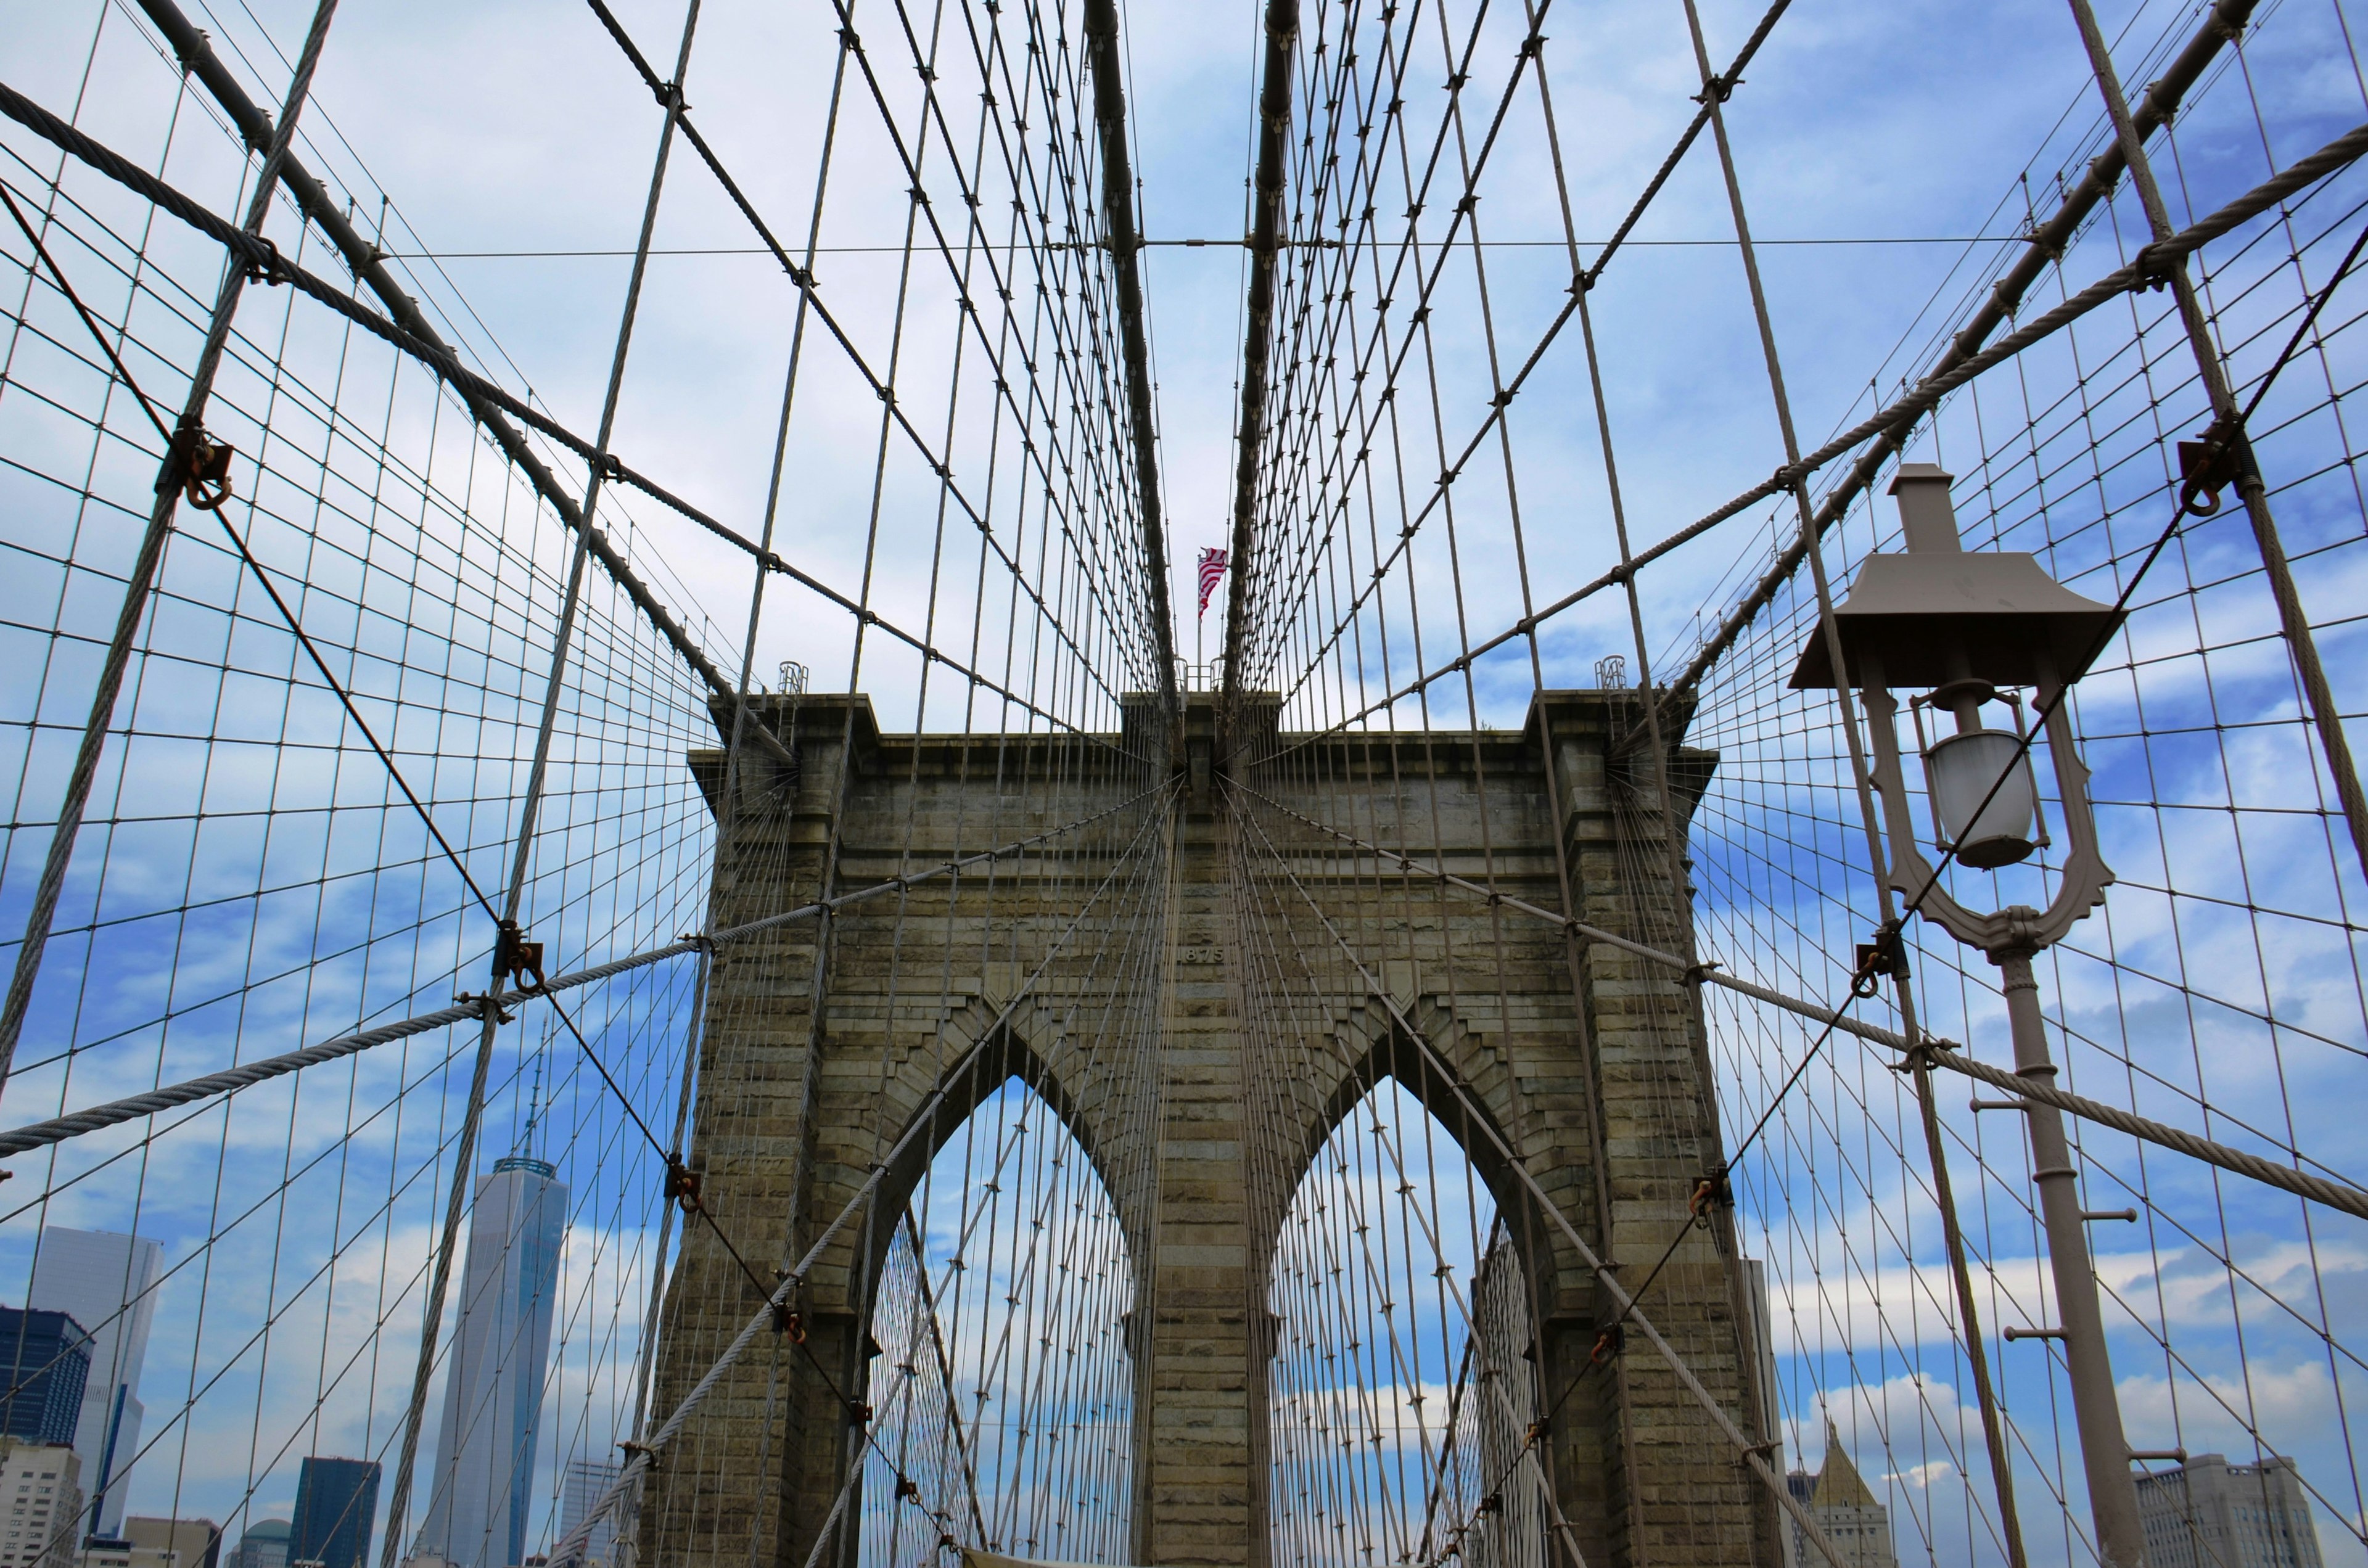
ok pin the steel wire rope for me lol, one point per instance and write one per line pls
(1585, 280)
(135, 598)
(474, 387)
(2319, 342)
(564, 1554)
(802, 277)
(398, 1506)
(1931, 391)
(1809, 1528)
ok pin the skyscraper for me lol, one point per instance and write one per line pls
(483, 1490)
(585, 1483)
(264, 1545)
(2211, 1513)
(337, 1504)
(107, 1283)
(44, 1363)
(38, 1481)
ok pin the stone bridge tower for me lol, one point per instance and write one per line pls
(1127, 970)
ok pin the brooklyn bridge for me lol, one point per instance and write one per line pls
(778, 798)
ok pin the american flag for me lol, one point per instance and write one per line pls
(1213, 571)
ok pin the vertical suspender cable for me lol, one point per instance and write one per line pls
(1715, 91)
(1126, 243)
(464, 1147)
(171, 476)
(2292, 620)
(1266, 242)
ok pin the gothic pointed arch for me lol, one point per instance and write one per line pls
(999, 1378)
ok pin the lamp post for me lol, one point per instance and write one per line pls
(1967, 627)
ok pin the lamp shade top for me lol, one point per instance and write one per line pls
(1913, 614)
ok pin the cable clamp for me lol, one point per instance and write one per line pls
(1718, 87)
(699, 940)
(2156, 266)
(206, 484)
(632, 1450)
(1711, 1191)
(1878, 959)
(487, 1005)
(1917, 1058)
(516, 960)
(1608, 1344)
(2209, 464)
(789, 1322)
(1697, 973)
(271, 268)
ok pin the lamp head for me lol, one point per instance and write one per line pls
(1940, 612)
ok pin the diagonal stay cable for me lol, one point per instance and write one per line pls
(567, 1552)
(194, 53)
(2224, 441)
(57, 1129)
(1914, 403)
(267, 259)
(693, 1201)
(1585, 280)
(2339, 1193)
(263, 579)
(97, 332)
(803, 280)
(1605, 1274)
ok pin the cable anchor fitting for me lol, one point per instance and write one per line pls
(1882, 956)
(1608, 1344)
(1711, 1191)
(682, 1185)
(198, 466)
(206, 485)
(2156, 266)
(2209, 464)
(516, 960)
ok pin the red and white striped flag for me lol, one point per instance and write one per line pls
(1213, 571)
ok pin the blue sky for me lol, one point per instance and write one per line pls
(518, 128)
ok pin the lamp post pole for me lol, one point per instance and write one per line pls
(1965, 626)
(2096, 1408)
